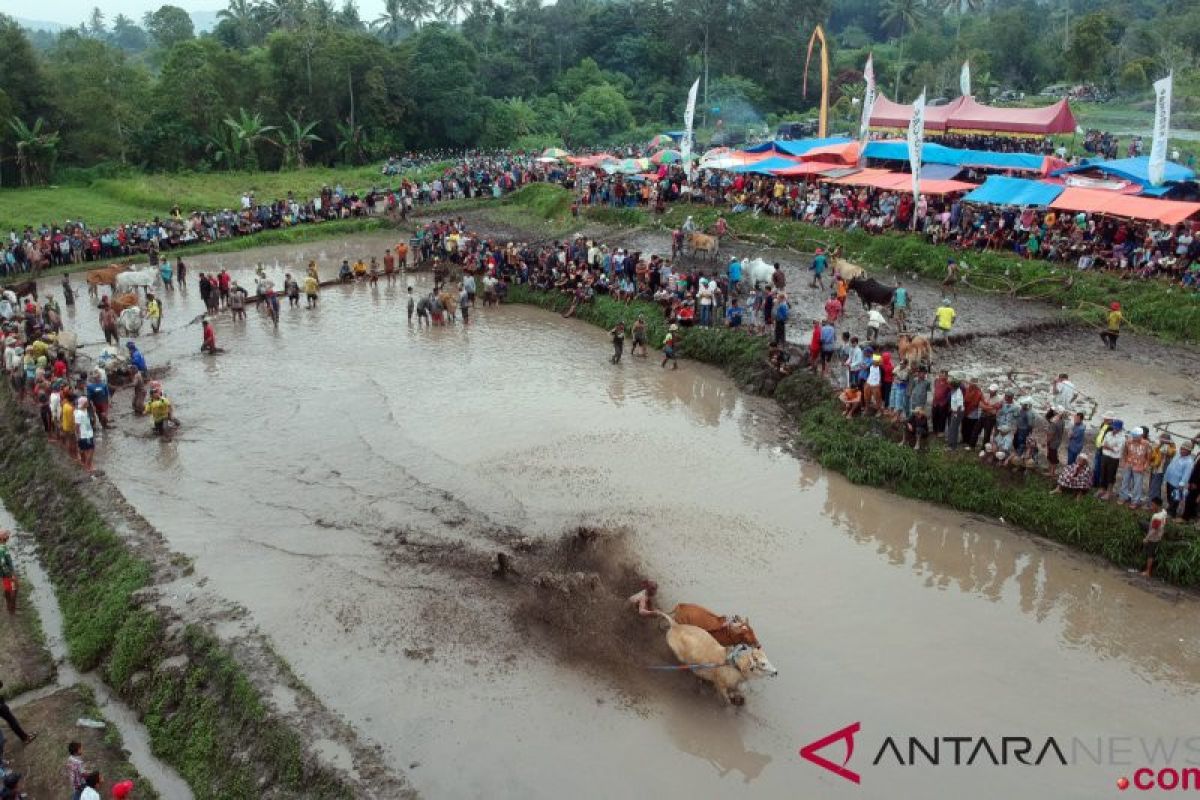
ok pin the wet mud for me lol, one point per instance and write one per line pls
(346, 480)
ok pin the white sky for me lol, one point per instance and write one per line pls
(72, 12)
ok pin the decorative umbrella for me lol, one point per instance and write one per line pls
(666, 157)
(555, 153)
(628, 166)
(660, 141)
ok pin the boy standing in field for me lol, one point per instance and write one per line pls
(1154, 534)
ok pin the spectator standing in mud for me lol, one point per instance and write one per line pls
(91, 786)
(618, 341)
(1064, 392)
(943, 321)
(8, 577)
(669, 347)
(1164, 453)
(1054, 435)
(1176, 477)
(1024, 425)
(1112, 328)
(75, 769)
(972, 413)
(1075, 438)
(941, 402)
(1134, 472)
(957, 406)
(7, 715)
(989, 406)
(1110, 455)
(781, 316)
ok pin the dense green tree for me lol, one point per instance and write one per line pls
(168, 26)
(101, 98)
(37, 150)
(445, 87)
(126, 35)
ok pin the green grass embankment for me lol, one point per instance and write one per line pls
(865, 450)
(112, 201)
(203, 715)
(1150, 306)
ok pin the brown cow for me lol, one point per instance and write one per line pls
(728, 631)
(124, 301)
(104, 276)
(916, 350)
(703, 243)
(726, 668)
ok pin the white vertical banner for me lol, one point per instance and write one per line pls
(689, 116)
(1162, 129)
(964, 79)
(868, 106)
(916, 137)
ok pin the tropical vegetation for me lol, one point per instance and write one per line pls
(424, 74)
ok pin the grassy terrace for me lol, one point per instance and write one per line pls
(110, 201)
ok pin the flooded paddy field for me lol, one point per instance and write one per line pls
(347, 479)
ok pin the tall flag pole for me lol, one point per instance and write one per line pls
(868, 106)
(916, 138)
(689, 116)
(1162, 129)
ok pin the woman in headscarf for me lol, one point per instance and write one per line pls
(1074, 478)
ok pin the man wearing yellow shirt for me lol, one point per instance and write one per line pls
(1113, 328)
(943, 320)
(311, 288)
(360, 269)
(159, 409)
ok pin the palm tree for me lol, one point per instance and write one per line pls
(900, 17)
(295, 139)
(244, 17)
(249, 130)
(393, 24)
(347, 16)
(418, 10)
(321, 13)
(453, 10)
(286, 14)
(351, 141)
(37, 149)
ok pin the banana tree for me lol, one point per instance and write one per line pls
(295, 139)
(351, 142)
(224, 148)
(37, 149)
(250, 130)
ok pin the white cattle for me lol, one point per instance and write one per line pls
(726, 668)
(135, 279)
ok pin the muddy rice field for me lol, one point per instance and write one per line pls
(348, 480)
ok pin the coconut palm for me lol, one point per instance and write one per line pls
(286, 14)
(900, 17)
(244, 17)
(453, 10)
(393, 24)
(295, 139)
(321, 13)
(418, 10)
(37, 149)
(250, 130)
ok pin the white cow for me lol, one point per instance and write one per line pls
(726, 668)
(760, 271)
(135, 279)
(130, 321)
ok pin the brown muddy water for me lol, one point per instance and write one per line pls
(328, 471)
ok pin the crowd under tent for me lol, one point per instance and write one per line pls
(1133, 170)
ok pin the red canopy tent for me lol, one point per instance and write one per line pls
(972, 117)
(807, 168)
(1115, 204)
(967, 116)
(889, 115)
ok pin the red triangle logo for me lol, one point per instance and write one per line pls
(809, 752)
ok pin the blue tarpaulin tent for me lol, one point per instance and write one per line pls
(1136, 170)
(796, 148)
(1001, 191)
(765, 166)
(933, 153)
